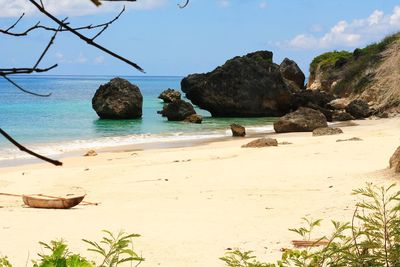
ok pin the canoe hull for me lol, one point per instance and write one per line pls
(37, 201)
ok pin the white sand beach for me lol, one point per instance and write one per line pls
(191, 204)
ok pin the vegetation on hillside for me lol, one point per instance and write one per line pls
(354, 71)
(371, 238)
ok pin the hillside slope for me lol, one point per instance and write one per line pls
(371, 73)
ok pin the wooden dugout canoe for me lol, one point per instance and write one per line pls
(49, 202)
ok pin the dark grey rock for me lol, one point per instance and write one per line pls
(238, 130)
(359, 109)
(178, 110)
(247, 86)
(170, 95)
(291, 72)
(118, 99)
(302, 120)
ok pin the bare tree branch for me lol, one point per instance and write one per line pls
(184, 5)
(38, 26)
(12, 71)
(30, 152)
(88, 40)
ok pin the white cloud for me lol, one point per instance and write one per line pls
(263, 4)
(71, 7)
(351, 34)
(224, 3)
(99, 60)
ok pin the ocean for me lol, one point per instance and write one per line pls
(66, 122)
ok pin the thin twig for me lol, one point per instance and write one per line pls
(24, 90)
(89, 41)
(24, 149)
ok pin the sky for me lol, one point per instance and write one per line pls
(166, 40)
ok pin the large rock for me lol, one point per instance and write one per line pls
(238, 130)
(359, 109)
(170, 95)
(292, 73)
(395, 160)
(302, 120)
(178, 110)
(247, 86)
(262, 142)
(307, 98)
(314, 99)
(118, 99)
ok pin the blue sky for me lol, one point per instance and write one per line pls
(166, 40)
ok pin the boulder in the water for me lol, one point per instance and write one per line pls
(178, 110)
(247, 86)
(238, 130)
(118, 99)
(170, 95)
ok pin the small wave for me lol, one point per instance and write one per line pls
(54, 149)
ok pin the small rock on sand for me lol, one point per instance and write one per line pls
(350, 139)
(327, 131)
(90, 153)
(263, 142)
(238, 130)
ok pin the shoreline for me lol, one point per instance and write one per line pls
(189, 140)
(190, 204)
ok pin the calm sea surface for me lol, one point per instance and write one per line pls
(65, 121)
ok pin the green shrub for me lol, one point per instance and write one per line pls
(372, 238)
(4, 262)
(113, 249)
(60, 257)
(328, 59)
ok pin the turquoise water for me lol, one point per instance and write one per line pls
(66, 118)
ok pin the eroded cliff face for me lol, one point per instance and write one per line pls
(371, 73)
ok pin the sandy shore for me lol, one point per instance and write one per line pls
(191, 204)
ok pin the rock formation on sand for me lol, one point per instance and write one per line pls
(247, 86)
(178, 110)
(118, 99)
(262, 142)
(359, 109)
(394, 161)
(371, 73)
(238, 130)
(302, 120)
(341, 116)
(327, 131)
(170, 95)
